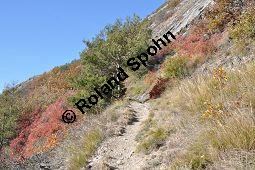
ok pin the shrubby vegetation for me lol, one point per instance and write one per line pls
(218, 109)
(109, 50)
(176, 67)
(23, 110)
(221, 105)
(203, 39)
(23, 107)
(9, 114)
(243, 33)
(223, 13)
(42, 134)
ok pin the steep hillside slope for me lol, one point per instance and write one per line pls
(192, 109)
(205, 118)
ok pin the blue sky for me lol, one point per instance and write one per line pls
(37, 35)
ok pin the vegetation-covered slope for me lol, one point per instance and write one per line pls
(200, 92)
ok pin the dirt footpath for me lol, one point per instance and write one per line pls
(118, 152)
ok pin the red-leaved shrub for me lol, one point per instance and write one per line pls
(159, 88)
(42, 134)
(195, 44)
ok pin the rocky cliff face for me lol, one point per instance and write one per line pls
(177, 16)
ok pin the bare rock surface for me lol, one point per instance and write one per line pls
(184, 13)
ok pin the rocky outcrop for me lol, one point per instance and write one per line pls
(185, 12)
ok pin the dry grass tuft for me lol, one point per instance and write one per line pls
(89, 144)
(151, 136)
(224, 104)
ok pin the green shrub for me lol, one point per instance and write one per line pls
(109, 50)
(9, 114)
(115, 45)
(176, 67)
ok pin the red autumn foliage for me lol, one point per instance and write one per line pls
(165, 51)
(27, 119)
(34, 137)
(159, 88)
(195, 44)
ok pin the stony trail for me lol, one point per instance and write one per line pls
(118, 152)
